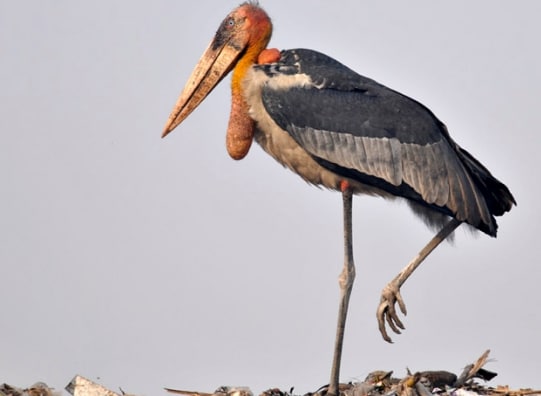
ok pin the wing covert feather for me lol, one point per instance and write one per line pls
(360, 129)
(379, 144)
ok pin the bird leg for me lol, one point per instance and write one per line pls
(345, 281)
(391, 293)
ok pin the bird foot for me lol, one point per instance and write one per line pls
(390, 296)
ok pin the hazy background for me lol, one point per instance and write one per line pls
(145, 263)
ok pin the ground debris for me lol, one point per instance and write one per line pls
(80, 386)
(377, 383)
(38, 389)
(382, 383)
(223, 391)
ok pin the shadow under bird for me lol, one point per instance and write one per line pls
(340, 130)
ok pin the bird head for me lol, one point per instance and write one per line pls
(241, 37)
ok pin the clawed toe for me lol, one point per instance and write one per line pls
(386, 312)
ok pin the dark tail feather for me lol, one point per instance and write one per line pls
(497, 196)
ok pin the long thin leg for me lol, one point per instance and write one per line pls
(346, 284)
(391, 293)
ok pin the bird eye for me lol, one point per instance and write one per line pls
(230, 22)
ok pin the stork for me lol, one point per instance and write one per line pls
(340, 130)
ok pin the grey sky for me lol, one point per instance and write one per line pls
(148, 263)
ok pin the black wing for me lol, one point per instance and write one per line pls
(365, 131)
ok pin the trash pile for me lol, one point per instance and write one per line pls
(377, 383)
(38, 389)
(382, 383)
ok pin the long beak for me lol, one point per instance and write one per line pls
(216, 62)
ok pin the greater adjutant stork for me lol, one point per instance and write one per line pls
(340, 130)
